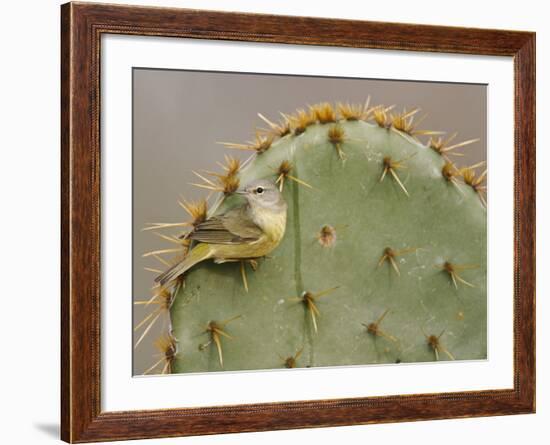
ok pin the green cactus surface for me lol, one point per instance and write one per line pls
(383, 258)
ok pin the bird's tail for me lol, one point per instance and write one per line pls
(199, 253)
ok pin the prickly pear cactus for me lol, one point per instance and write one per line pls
(383, 259)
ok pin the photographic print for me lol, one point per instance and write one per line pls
(285, 221)
(289, 217)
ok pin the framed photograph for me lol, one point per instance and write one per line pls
(276, 222)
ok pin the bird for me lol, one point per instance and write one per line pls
(248, 231)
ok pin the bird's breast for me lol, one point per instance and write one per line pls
(272, 223)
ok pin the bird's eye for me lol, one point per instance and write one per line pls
(259, 190)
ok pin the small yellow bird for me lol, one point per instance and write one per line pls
(249, 231)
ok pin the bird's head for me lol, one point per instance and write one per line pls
(263, 193)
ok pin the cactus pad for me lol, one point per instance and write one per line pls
(383, 259)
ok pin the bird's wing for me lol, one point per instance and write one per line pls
(233, 227)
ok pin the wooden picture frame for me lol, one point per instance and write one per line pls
(82, 26)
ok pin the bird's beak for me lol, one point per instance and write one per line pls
(240, 192)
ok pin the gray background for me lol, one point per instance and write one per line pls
(179, 116)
